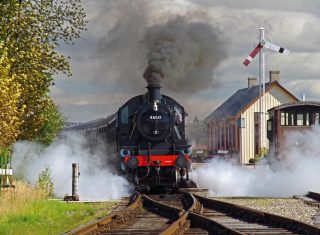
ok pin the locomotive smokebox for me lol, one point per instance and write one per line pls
(153, 92)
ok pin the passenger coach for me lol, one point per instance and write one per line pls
(290, 117)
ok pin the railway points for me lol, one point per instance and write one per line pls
(190, 213)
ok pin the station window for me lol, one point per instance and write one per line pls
(231, 133)
(269, 125)
(300, 119)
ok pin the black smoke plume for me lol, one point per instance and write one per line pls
(183, 55)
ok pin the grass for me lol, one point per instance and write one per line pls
(27, 211)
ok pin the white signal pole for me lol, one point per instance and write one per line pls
(262, 89)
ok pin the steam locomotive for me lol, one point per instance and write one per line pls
(147, 137)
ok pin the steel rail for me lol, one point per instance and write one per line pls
(179, 226)
(314, 196)
(178, 218)
(111, 220)
(210, 225)
(259, 216)
(183, 219)
(195, 210)
(192, 204)
(179, 223)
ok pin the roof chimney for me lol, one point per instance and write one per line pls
(252, 81)
(274, 76)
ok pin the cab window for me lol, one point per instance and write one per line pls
(124, 115)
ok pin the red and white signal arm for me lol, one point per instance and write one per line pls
(259, 47)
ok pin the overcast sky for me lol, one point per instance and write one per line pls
(109, 60)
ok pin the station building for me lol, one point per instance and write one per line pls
(197, 132)
(238, 127)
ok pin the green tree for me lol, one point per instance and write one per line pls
(30, 32)
(52, 125)
(11, 111)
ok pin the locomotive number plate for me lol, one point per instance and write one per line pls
(155, 117)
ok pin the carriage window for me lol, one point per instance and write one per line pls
(125, 115)
(292, 119)
(307, 119)
(282, 119)
(316, 119)
(299, 119)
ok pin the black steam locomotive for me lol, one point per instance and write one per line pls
(147, 137)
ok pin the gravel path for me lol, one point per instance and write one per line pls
(292, 208)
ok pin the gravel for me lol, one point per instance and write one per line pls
(292, 208)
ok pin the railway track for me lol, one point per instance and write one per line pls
(188, 213)
(249, 221)
(311, 198)
(143, 215)
(315, 198)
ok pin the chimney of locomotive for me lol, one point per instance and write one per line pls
(153, 93)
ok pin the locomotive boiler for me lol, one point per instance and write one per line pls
(146, 136)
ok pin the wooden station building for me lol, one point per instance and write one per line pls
(235, 125)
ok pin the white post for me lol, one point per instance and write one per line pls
(261, 91)
(75, 181)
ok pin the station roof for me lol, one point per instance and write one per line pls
(240, 100)
(91, 124)
(295, 104)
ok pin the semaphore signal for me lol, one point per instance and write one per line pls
(267, 45)
(259, 50)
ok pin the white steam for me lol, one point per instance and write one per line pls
(98, 180)
(295, 174)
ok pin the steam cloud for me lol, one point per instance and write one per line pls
(186, 53)
(98, 180)
(296, 174)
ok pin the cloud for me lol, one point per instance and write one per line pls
(111, 56)
(309, 87)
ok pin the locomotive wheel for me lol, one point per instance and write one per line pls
(176, 178)
(184, 183)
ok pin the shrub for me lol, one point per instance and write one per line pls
(262, 153)
(45, 183)
(4, 157)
